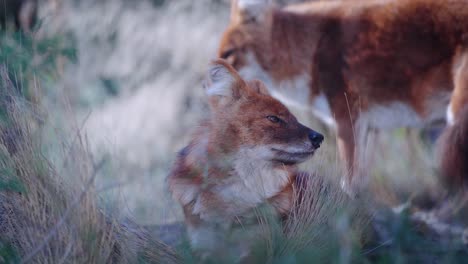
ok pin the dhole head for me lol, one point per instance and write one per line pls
(246, 117)
(249, 22)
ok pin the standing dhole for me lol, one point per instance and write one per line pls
(243, 156)
(361, 65)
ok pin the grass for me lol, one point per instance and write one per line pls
(90, 121)
(49, 209)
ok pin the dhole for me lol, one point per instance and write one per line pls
(243, 156)
(361, 65)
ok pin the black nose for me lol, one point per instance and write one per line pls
(315, 138)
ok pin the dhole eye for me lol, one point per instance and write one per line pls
(274, 119)
(227, 54)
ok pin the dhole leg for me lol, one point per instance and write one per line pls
(453, 151)
(354, 144)
(346, 148)
(453, 144)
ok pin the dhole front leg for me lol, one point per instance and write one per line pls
(355, 150)
(346, 148)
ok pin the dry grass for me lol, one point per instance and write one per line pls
(325, 226)
(49, 210)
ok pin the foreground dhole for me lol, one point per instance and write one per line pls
(243, 156)
(361, 65)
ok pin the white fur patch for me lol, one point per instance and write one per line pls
(253, 9)
(321, 109)
(294, 92)
(253, 70)
(398, 114)
(390, 116)
(248, 4)
(255, 180)
(258, 175)
(450, 116)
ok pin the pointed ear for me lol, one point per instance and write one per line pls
(223, 81)
(249, 11)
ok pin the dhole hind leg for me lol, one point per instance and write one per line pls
(453, 144)
(453, 151)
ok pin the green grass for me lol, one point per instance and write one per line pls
(32, 63)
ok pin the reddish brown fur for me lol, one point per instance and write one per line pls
(361, 54)
(213, 162)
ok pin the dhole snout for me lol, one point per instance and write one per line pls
(292, 152)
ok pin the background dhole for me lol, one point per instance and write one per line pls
(359, 65)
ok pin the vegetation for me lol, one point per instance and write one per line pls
(48, 207)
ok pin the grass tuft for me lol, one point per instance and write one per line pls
(49, 210)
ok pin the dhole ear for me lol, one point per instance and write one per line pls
(223, 81)
(248, 11)
(259, 87)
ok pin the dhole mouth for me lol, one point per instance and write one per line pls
(291, 158)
